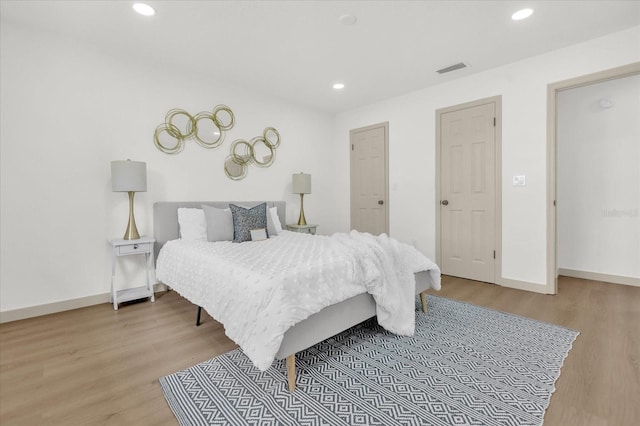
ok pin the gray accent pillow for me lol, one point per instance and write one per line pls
(219, 223)
(244, 220)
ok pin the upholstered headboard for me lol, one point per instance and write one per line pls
(165, 216)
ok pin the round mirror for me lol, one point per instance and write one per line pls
(167, 139)
(207, 132)
(223, 116)
(234, 170)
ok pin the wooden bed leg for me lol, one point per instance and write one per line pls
(198, 317)
(291, 372)
(423, 299)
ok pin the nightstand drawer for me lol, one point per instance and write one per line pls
(134, 248)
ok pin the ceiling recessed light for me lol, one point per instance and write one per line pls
(348, 19)
(522, 14)
(144, 9)
(338, 86)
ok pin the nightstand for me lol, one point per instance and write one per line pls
(305, 229)
(120, 247)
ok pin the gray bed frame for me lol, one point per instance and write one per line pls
(318, 327)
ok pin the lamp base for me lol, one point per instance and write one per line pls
(301, 219)
(132, 231)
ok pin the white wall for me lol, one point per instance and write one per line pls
(523, 86)
(67, 110)
(599, 178)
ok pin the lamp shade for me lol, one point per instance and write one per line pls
(301, 183)
(128, 176)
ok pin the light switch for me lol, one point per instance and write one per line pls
(519, 180)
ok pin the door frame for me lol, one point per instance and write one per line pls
(385, 125)
(497, 100)
(552, 160)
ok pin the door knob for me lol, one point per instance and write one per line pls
(381, 202)
(445, 202)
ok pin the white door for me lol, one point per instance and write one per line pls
(369, 179)
(467, 192)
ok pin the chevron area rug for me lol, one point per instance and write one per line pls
(465, 365)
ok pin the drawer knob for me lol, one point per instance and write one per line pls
(135, 247)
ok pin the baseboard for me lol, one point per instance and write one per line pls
(595, 276)
(522, 285)
(65, 305)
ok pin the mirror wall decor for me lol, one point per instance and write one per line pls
(260, 150)
(206, 128)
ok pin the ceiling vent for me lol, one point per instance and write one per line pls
(450, 68)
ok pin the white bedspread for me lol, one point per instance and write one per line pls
(258, 290)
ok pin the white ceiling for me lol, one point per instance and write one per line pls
(297, 49)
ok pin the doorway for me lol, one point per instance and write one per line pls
(468, 213)
(552, 160)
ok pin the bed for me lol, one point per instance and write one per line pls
(310, 330)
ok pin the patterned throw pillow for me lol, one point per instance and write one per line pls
(244, 220)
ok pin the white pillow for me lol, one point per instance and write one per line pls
(193, 225)
(273, 222)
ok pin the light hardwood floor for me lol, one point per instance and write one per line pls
(96, 366)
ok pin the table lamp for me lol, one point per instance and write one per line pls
(301, 185)
(129, 176)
